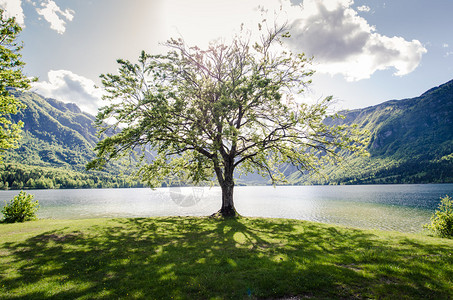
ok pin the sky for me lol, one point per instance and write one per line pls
(365, 51)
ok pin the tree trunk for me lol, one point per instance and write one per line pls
(228, 209)
(226, 182)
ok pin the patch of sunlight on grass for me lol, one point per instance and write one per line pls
(168, 276)
(232, 262)
(226, 229)
(280, 258)
(239, 238)
(201, 260)
(166, 268)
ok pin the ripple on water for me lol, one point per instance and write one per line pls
(390, 207)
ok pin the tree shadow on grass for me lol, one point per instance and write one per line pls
(199, 258)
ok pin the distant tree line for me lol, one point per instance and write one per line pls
(409, 172)
(32, 177)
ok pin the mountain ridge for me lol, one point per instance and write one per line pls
(412, 133)
(411, 141)
(57, 142)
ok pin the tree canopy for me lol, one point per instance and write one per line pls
(11, 67)
(229, 109)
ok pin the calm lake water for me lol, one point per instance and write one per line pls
(390, 207)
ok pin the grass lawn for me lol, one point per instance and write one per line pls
(204, 258)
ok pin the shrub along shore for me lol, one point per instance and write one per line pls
(203, 258)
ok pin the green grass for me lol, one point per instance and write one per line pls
(203, 258)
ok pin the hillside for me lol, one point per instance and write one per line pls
(55, 133)
(58, 140)
(411, 142)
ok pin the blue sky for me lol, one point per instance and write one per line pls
(365, 51)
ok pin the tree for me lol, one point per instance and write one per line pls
(442, 219)
(205, 113)
(20, 209)
(11, 77)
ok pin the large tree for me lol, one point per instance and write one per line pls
(229, 109)
(11, 77)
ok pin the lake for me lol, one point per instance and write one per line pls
(389, 207)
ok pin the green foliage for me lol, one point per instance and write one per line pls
(19, 176)
(210, 112)
(21, 208)
(11, 76)
(442, 219)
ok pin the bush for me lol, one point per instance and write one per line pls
(21, 208)
(442, 219)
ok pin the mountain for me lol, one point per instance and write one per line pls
(58, 141)
(55, 133)
(411, 141)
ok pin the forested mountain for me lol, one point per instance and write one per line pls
(411, 142)
(58, 140)
(55, 133)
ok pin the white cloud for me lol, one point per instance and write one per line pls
(341, 41)
(344, 43)
(13, 8)
(363, 8)
(445, 45)
(66, 86)
(55, 15)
